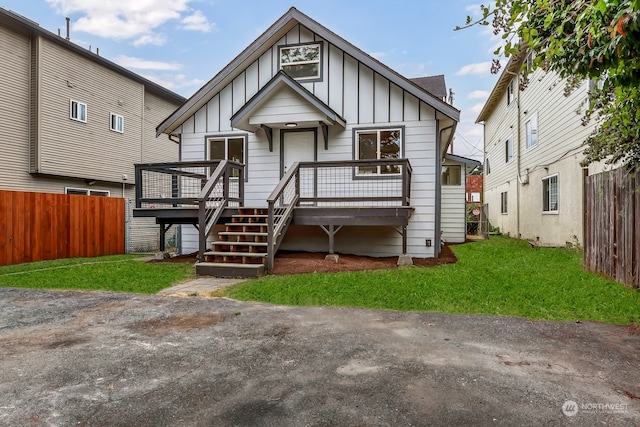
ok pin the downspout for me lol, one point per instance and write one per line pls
(438, 223)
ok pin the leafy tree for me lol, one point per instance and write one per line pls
(579, 39)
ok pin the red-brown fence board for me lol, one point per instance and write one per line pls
(42, 226)
(612, 225)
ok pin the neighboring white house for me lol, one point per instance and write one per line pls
(454, 194)
(533, 144)
(302, 93)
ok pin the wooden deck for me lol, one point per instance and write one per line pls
(330, 195)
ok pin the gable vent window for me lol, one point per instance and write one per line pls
(86, 192)
(302, 62)
(116, 123)
(78, 111)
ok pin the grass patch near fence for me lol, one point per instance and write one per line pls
(500, 276)
(118, 273)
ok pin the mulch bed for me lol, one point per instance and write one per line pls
(309, 262)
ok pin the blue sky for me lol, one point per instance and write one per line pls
(181, 44)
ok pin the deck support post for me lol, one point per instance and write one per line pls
(331, 232)
(164, 227)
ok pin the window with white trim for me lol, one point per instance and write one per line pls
(503, 202)
(378, 144)
(550, 194)
(86, 192)
(508, 150)
(116, 123)
(78, 111)
(228, 148)
(475, 197)
(302, 62)
(531, 131)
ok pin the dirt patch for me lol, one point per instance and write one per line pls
(308, 262)
(182, 322)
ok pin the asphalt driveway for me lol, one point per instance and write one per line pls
(104, 359)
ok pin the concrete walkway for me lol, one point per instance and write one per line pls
(200, 287)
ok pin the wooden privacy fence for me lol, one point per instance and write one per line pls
(42, 226)
(612, 225)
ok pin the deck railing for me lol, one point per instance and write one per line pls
(353, 183)
(225, 187)
(167, 185)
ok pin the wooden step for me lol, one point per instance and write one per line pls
(236, 254)
(229, 269)
(241, 233)
(228, 243)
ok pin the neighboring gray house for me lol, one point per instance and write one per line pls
(335, 152)
(74, 122)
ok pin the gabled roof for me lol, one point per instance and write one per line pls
(510, 71)
(274, 33)
(435, 85)
(281, 79)
(15, 20)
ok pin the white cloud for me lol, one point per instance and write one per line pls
(478, 94)
(144, 64)
(177, 83)
(197, 22)
(131, 19)
(475, 69)
(155, 39)
(474, 110)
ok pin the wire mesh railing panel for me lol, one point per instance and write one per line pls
(170, 185)
(348, 185)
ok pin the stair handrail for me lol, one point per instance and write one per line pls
(210, 208)
(277, 223)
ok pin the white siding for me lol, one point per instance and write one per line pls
(559, 150)
(453, 209)
(361, 97)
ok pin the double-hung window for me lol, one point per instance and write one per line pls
(503, 202)
(378, 144)
(116, 123)
(550, 194)
(302, 62)
(531, 131)
(78, 111)
(228, 148)
(508, 149)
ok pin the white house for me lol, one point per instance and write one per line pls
(346, 149)
(454, 197)
(533, 144)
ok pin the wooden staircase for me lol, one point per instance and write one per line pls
(241, 249)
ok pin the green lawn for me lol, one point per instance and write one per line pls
(499, 276)
(119, 273)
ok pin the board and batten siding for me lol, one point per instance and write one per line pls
(366, 100)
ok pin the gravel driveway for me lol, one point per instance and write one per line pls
(105, 359)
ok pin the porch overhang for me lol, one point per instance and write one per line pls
(266, 109)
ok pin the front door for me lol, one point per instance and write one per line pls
(297, 146)
(300, 146)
